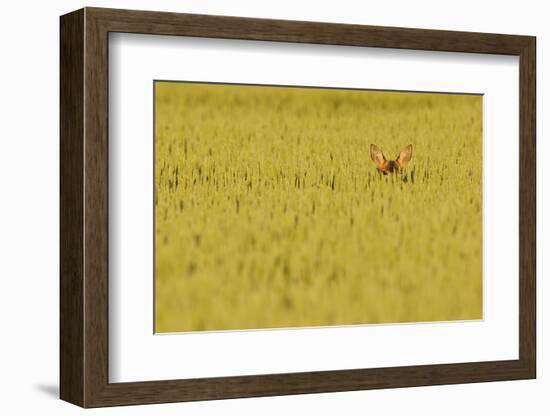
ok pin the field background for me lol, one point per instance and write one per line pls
(270, 213)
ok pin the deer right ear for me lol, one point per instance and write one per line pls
(405, 156)
(376, 155)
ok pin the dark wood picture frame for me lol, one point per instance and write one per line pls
(84, 207)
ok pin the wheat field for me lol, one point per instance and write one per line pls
(270, 213)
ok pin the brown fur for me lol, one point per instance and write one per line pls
(386, 166)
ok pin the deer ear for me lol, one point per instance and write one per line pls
(376, 155)
(405, 156)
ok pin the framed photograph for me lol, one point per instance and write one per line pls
(254, 207)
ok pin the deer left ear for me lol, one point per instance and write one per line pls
(405, 156)
(376, 155)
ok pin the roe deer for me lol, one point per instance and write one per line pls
(390, 166)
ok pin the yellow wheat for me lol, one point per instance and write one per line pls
(270, 213)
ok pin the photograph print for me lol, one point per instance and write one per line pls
(293, 207)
